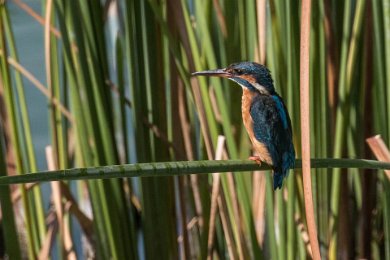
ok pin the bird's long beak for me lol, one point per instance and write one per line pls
(213, 73)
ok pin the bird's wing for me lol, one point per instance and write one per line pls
(282, 110)
(289, 153)
(272, 126)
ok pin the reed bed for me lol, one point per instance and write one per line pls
(125, 96)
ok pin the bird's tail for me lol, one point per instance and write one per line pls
(279, 174)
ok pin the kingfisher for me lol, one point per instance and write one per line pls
(264, 114)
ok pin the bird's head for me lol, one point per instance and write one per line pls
(251, 75)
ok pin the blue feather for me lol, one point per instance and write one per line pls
(272, 127)
(281, 110)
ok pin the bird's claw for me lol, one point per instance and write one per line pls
(256, 159)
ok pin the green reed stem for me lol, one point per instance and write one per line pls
(159, 169)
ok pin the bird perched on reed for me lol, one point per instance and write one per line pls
(265, 116)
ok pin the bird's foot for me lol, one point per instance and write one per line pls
(256, 159)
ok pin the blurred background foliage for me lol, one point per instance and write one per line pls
(119, 90)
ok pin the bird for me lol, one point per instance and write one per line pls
(264, 115)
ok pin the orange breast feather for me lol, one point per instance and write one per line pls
(259, 148)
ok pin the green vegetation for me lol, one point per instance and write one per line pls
(134, 101)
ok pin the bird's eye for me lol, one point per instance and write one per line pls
(238, 71)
